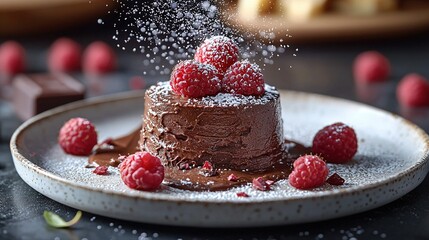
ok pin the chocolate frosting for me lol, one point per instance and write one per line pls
(231, 131)
(112, 152)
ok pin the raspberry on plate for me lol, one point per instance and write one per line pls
(142, 171)
(244, 78)
(335, 180)
(336, 143)
(77, 137)
(193, 79)
(12, 58)
(260, 184)
(219, 51)
(371, 66)
(413, 91)
(64, 55)
(242, 194)
(308, 172)
(101, 170)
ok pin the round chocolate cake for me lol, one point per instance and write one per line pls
(230, 131)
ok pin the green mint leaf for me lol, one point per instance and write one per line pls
(56, 221)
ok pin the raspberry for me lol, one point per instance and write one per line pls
(192, 79)
(142, 171)
(136, 83)
(77, 137)
(371, 66)
(243, 78)
(99, 58)
(336, 143)
(260, 184)
(184, 166)
(100, 170)
(335, 180)
(242, 194)
(208, 170)
(232, 178)
(413, 91)
(270, 182)
(218, 51)
(64, 56)
(12, 58)
(308, 172)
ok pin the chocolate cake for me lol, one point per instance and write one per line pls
(231, 131)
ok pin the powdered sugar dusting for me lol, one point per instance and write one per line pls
(363, 170)
(221, 99)
(234, 100)
(373, 163)
(166, 31)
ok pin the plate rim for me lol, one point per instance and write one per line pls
(150, 196)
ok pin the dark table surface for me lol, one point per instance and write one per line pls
(319, 68)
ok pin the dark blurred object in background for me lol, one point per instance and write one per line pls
(24, 17)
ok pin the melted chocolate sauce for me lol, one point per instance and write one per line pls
(110, 152)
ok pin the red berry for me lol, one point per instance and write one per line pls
(192, 79)
(308, 172)
(336, 143)
(244, 78)
(99, 58)
(142, 171)
(64, 56)
(335, 180)
(12, 58)
(260, 184)
(136, 83)
(242, 194)
(270, 182)
(413, 91)
(218, 51)
(77, 136)
(207, 165)
(100, 170)
(208, 170)
(232, 178)
(371, 66)
(184, 166)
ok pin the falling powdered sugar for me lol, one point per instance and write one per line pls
(167, 31)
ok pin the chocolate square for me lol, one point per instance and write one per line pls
(36, 93)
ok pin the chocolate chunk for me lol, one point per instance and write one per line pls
(33, 94)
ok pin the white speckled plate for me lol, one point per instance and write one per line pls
(391, 161)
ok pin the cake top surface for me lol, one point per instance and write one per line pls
(164, 93)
